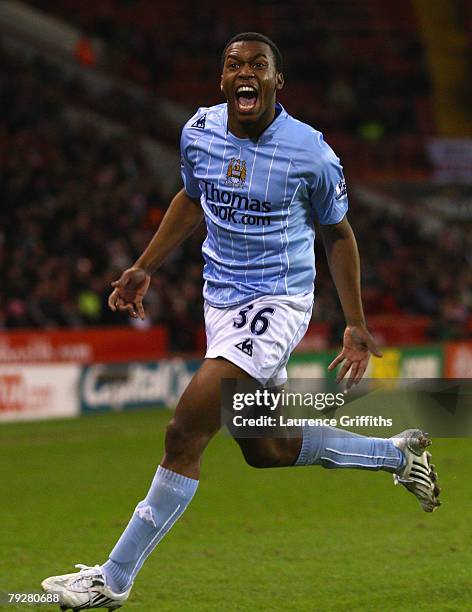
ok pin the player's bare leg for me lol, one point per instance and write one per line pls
(197, 419)
(270, 452)
(403, 455)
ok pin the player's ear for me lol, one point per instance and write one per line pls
(280, 81)
(221, 83)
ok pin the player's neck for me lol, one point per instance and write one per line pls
(250, 130)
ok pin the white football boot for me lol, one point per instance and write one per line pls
(85, 589)
(419, 474)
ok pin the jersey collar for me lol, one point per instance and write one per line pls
(280, 116)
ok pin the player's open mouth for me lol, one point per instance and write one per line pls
(246, 98)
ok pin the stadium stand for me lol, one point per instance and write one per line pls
(376, 112)
(81, 192)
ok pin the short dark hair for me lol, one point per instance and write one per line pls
(261, 38)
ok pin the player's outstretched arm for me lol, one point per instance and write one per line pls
(183, 216)
(343, 260)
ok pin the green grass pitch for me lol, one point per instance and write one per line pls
(269, 540)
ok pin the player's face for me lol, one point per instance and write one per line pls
(250, 82)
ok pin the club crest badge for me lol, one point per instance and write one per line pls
(236, 172)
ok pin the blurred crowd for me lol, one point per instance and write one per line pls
(409, 270)
(331, 52)
(78, 208)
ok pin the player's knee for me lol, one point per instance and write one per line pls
(181, 443)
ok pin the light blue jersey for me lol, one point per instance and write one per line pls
(260, 199)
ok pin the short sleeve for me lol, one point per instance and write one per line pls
(329, 192)
(191, 185)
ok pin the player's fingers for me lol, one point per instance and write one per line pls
(336, 361)
(112, 300)
(140, 309)
(122, 305)
(344, 370)
(352, 375)
(130, 307)
(360, 372)
(373, 348)
(116, 283)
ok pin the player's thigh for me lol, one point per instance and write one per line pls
(199, 408)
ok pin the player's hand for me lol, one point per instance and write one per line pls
(358, 344)
(129, 291)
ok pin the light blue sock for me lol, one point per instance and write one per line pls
(338, 448)
(168, 497)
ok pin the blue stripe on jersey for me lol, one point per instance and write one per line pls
(260, 199)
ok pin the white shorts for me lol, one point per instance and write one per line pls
(259, 336)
